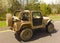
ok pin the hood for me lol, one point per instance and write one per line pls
(45, 17)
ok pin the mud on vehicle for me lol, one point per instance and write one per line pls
(25, 21)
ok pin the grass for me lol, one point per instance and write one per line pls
(55, 17)
(3, 24)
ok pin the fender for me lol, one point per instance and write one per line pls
(49, 21)
(23, 26)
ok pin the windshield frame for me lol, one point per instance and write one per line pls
(28, 14)
(37, 12)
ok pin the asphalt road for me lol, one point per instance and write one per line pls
(40, 36)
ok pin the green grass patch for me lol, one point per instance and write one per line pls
(55, 17)
(3, 24)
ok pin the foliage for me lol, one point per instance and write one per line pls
(15, 6)
(45, 9)
(8, 6)
(33, 6)
(55, 8)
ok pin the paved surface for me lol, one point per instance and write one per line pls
(40, 36)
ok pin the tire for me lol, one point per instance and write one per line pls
(50, 28)
(26, 34)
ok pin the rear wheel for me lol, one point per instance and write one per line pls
(26, 34)
(50, 28)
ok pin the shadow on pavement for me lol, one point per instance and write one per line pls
(38, 33)
(17, 37)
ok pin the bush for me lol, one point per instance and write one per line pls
(45, 9)
(33, 6)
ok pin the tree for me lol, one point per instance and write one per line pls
(33, 6)
(45, 9)
(55, 8)
(15, 6)
(8, 6)
(3, 7)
